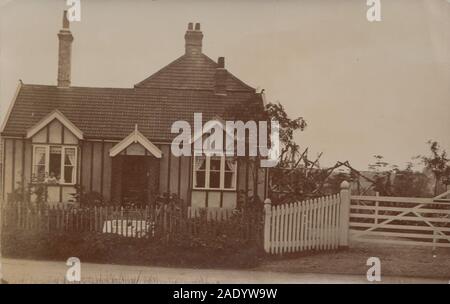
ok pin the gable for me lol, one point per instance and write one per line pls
(135, 144)
(203, 135)
(56, 125)
(54, 133)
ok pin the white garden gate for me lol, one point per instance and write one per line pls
(315, 224)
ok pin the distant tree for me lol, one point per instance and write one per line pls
(390, 180)
(382, 177)
(379, 166)
(438, 163)
(410, 183)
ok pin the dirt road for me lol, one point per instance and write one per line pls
(28, 271)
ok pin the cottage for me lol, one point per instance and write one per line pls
(116, 141)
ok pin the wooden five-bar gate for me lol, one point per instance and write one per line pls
(401, 220)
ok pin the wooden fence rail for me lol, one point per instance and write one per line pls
(400, 220)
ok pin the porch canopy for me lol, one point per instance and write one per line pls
(135, 144)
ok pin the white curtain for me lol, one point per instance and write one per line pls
(39, 163)
(70, 161)
(232, 164)
(40, 156)
(199, 163)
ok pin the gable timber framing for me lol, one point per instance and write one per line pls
(217, 121)
(49, 118)
(135, 137)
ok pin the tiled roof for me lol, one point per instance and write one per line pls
(193, 71)
(176, 92)
(111, 113)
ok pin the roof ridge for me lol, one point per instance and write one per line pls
(43, 86)
(73, 87)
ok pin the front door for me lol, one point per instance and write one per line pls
(134, 180)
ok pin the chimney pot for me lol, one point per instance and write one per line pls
(221, 77)
(221, 62)
(66, 23)
(193, 40)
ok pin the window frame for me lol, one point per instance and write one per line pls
(207, 171)
(62, 164)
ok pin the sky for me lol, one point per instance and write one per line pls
(364, 88)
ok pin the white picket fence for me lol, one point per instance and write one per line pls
(308, 225)
(336, 221)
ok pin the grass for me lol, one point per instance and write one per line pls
(396, 260)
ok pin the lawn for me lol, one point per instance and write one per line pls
(396, 260)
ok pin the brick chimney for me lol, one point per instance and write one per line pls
(64, 54)
(193, 38)
(221, 77)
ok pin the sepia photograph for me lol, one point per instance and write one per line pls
(217, 143)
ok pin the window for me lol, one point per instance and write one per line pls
(200, 172)
(39, 157)
(230, 170)
(54, 164)
(214, 173)
(69, 165)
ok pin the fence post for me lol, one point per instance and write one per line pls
(2, 211)
(267, 221)
(344, 214)
(376, 208)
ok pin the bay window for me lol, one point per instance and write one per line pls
(55, 164)
(214, 173)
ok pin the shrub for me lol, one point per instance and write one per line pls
(185, 250)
